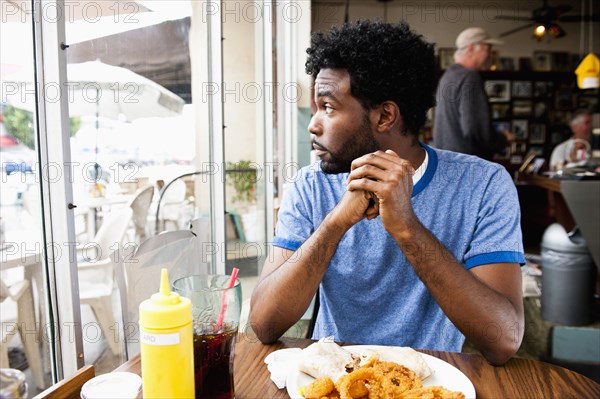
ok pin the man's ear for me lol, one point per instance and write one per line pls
(388, 116)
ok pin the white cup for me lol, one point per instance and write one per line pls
(113, 385)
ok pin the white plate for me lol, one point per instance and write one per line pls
(444, 374)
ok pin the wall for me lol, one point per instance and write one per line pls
(303, 27)
(440, 22)
(243, 92)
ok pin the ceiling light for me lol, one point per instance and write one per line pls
(539, 32)
(551, 29)
(555, 30)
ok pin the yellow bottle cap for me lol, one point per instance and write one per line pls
(165, 309)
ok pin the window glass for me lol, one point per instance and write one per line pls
(26, 336)
(139, 100)
(132, 143)
(134, 124)
(246, 92)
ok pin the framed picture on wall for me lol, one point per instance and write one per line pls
(500, 110)
(560, 117)
(446, 56)
(587, 102)
(521, 108)
(520, 128)
(540, 110)
(543, 89)
(542, 61)
(499, 127)
(561, 61)
(518, 148)
(538, 133)
(521, 88)
(497, 90)
(506, 64)
(565, 100)
(516, 159)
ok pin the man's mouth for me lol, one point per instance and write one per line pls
(319, 151)
(318, 148)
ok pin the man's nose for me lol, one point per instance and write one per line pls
(314, 126)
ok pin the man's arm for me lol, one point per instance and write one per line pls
(484, 304)
(289, 279)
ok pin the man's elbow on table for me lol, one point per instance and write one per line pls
(503, 350)
(265, 329)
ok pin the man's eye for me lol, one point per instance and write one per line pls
(328, 108)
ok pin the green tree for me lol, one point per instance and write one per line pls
(19, 123)
(74, 125)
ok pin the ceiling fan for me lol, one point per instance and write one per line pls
(546, 18)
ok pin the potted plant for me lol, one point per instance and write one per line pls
(241, 176)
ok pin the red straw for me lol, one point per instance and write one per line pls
(234, 274)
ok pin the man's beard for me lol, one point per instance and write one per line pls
(363, 142)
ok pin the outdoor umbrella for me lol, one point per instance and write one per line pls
(95, 88)
(99, 89)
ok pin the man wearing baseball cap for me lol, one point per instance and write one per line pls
(462, 116)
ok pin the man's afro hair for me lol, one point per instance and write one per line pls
(385, 62)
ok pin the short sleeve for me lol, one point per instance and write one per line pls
(497, 237)
(294, 224)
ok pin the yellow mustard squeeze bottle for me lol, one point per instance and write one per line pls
(166, 343)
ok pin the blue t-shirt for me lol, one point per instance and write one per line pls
(370, 294)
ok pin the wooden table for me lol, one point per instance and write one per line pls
(519, 378)
(575, 202)
(540, 181)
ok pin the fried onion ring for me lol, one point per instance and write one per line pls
(368, 375)
(321, 387)
(379, 380)
(358, 390)
(436, 392)
(397, 379)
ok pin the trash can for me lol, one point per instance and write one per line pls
(568, 277)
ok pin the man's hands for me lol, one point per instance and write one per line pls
(379, 184)
(389, 178)
(352, 208)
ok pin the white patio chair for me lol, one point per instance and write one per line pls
(171, 203)
(96, 271)
(137, 273)
(140, 204)
(17, 307)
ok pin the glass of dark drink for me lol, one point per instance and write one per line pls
(216, 312)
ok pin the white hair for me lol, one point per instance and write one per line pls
(578, 118)
(459, 53)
